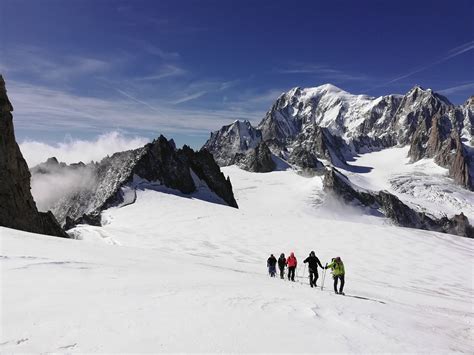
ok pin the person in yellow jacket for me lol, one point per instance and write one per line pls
(338, 272)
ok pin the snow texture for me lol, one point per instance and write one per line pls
(174, 274)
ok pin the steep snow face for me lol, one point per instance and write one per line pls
(173, 274)
(237, 137)
(468, 123)
(422, 185)
(344, 114)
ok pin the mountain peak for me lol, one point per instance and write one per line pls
(418, 91)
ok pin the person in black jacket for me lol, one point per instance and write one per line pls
(282, 265)
(313, 263)
(271, 264)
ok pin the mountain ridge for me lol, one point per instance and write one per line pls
(361, 123)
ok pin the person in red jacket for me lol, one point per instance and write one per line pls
(292, 263)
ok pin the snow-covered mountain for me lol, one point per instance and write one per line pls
(314, 129)
(172, 274)
(78, 193)
(240, 136)
(328, 123)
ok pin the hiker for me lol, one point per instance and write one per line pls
(292, 263)
(281, 265)
(271, 264)
(313, 263)
(338, 272)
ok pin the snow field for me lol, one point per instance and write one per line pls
(174, 274)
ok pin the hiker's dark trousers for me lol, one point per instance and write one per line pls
(291, 273)
(341, 287)
(282, 272)
(313, 277)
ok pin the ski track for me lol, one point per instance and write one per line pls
(168, 274)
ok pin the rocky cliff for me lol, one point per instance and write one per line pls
(114, 180)
(391, 207)
(17, 207)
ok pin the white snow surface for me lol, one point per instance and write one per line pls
(424, 185)
(176, 274)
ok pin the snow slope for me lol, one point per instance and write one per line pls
(169, 273)
(423, 185)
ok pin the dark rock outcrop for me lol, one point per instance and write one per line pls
(17, 207)
(336, 183)
(238, 137)
(440, 141)
(319, 142)
(113, 181)
(258, 160)
(205, 167)
(306, 160)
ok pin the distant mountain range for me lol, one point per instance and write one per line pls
(313, 127)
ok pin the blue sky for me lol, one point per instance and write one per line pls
(83, 68)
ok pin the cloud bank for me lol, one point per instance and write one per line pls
(73, 151)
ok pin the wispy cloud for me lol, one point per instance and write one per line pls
(200, 88)
(133, 98)
(35, 62)
(456, 89)
(322, 71)
(166, 71)
(157, 51)
(189, 97)
(452, 53)
(41, 109)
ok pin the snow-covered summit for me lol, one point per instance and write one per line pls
(239, 136)
(354, 124)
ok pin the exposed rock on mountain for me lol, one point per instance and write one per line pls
(113, 181)
(258, 159)
(336, 183)
(417, 107)
(17, 207)
(319, 142)
(440, 141)
(237, 137)
(306, 126)
(205, 167)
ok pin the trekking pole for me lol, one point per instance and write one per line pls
(324, 277)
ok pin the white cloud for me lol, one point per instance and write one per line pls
(166, 71)
(49, 189)
(459, 88)
(190, 97)
(323, 71)
(73, 151)
(452, 53)
(43, 109)
(38, 63)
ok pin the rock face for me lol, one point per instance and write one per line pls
(114, 180)
(238, 137)
(258, 160)
(336, 183)
(17, 207)
(306, 127)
